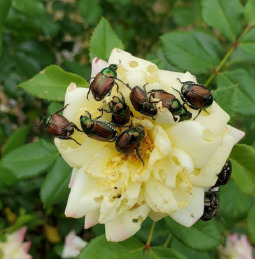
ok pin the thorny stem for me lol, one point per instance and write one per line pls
(224, 60)
(168, 240)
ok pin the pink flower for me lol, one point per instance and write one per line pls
(14, 248)
(236, 248)
(73, 246)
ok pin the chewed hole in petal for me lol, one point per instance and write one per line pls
(151, 69)
(133, 64)
(162, 175)
(209, 136)
(176, 160)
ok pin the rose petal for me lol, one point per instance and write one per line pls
(92, 218)
(207, 176)
(83, 197)
(97, 66)
(189, 214)
(198, 142)
(160, 197)
(127, 223)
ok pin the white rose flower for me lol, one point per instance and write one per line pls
(14, 247)
(236, 248)
(181, 158)
(73, 246)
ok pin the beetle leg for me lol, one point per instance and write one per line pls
(88, 114)
(76, 127)
(144, 87)
(102, 112)
(197, 114)
(180, 81)
(88, 94)
(139, 155)
(118, 88)
(61, 109)
(177, 90)
(123, 98)
(74, 140)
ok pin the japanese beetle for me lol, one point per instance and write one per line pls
(119, 110)
(224, 175)
(141, 102)
(104, 82)
(169, 101)
(59, 127)
(195, 95)
(211, 206)
(129, 140)
(96, 129)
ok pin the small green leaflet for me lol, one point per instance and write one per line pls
(100, 248)
(103, 41)
(31, 159)
(200, 55)
(55, 185)
(243, 163)
(52, 82)
(249, 11)
(224, 16)
(227, 98)
(245, 89)
(201, 236)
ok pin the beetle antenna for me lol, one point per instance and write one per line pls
(197, 114)
(61, 109)
(180, 80)
(177, 90)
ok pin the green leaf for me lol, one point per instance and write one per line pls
(28, 7)
(201, 236)
(188, 252)
(226, 18)
(31, 159)
(51, 83)
(227, 98)
(100, 248)
(200, 55)
(248, 42)
(55, 185)
(251, 224)
(54, 107)
(243, 164)
(234, 205)
(7, 177)
(103, 40)
(16, 140)
(4, 9)
(164, 253)
(245, 92)
(90, 10)
(249, 11)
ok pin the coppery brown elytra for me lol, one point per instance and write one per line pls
(129, 140)
(120, 111)
(96, 129)
(195, 95)
(103, 82)
(58, 126)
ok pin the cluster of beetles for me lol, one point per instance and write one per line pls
(194, 95)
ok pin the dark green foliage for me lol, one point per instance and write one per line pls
(213, 39)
